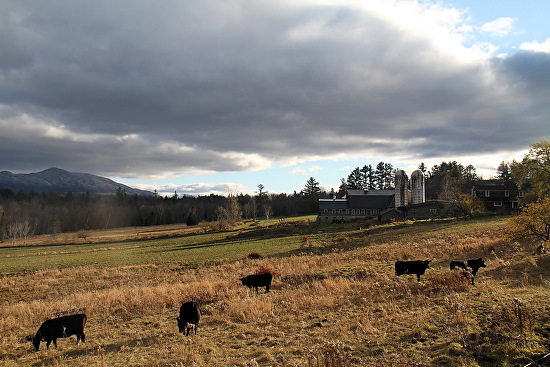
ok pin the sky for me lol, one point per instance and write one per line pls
(220, 96)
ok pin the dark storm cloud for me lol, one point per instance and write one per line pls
(142, 87)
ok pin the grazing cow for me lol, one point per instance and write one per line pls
(258, 280)
(472, 265)
(412, 267)
(60, 327)
(189, 318)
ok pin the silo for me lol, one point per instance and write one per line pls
(401, 188)
(418, 187)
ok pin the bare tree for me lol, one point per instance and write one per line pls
(268, 211)
(22, 229)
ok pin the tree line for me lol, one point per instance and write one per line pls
(23, 214)
(26, 213)
(441, 180)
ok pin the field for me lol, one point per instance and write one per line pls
(335, 299)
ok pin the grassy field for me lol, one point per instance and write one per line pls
(335, 300)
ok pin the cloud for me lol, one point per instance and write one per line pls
(299, 171)
(195, 189)
(535, 46)
(142, 89)
(499, 27)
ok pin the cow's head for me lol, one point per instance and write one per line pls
(181, 325)
(427, 263)
(35, 341)
(481, 262)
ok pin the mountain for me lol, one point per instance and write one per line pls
(61, 182)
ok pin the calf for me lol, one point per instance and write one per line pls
(258, 280)
(189, 318)
(412, 267)
(60, 327)
(472, 265)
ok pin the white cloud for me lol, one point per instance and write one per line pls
(543, 47)
(499, 27)
(195, 189)
(298, 172)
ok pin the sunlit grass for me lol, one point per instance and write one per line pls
(336, 300)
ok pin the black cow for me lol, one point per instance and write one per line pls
(472, 265)
(189, 318)
(417, 267)
(60, 327)
(258, 280)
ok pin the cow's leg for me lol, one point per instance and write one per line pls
(256, 290)
(418, 277)
(48, 342)
(266, 288)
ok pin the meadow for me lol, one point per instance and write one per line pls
(335, 299)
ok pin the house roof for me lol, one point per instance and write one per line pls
(371, 201)
(361, 199)
(333, 203)
(492, 185)
(370, 192)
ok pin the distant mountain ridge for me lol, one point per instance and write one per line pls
(61, 182)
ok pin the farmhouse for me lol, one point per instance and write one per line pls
(498, 196)
(383, 205)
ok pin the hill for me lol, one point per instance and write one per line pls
(334, 302)
(61, 182)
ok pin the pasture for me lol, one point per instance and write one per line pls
(335, 300)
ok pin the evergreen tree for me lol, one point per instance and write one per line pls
(504, 172)
(368, 177)
(355, 179)
(312, 188)
(343, 188)
(380, 176)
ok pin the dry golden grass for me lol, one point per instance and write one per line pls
(344, 307)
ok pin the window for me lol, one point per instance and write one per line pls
(521, 194)
(333, 211)
(487, 193)
(514, 204)
(498, 203)
(507, 193)
(340, 211)
(363, 211)
(347, 211)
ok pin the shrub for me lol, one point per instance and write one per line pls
(254, 256)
